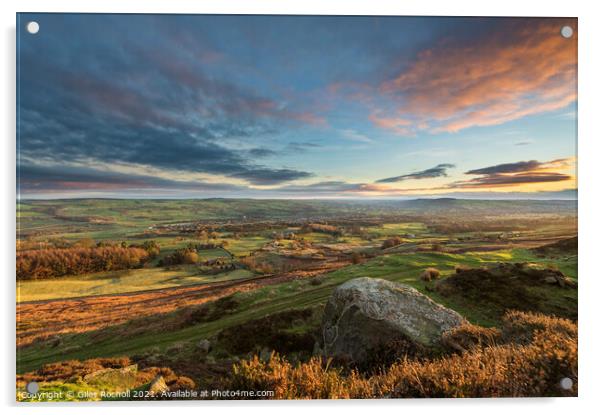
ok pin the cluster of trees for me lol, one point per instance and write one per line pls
(391, 242)
(206, 234)
(452, 225)
(151, 247)
(51, 263)
(180, 256)
(257, 265)
(207, 245)
(322, 228)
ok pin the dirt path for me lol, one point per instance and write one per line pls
(41, 319)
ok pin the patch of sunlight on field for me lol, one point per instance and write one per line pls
(245, 245)
(316, 237)
(404, 226)
(504, 255)
(396, 229)
(120, 282)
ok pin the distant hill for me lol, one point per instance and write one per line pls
(451, 205)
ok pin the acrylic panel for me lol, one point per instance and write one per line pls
(295, 207)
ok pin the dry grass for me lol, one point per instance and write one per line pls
(73, 371)
(430, 274)
(46, 320)
(525, 368)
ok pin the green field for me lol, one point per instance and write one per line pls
(293, 270)
(119, 282)
(292, 295)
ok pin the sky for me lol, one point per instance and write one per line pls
(200, 106)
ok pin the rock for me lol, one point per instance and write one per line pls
(124, 377)
(157, 386)
(364, 315)
(550, 280)
(265, 354)
(204, 346)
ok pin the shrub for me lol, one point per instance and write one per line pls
(152, 248)
(437, 247)
(322, 228)
(356, 257)
(391, 242)
(314, 380)
(49, 263)
(468, 337)
(491, 370)
(180, 256)
(72, 371)
(430, 274)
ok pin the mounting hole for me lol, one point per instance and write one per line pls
(33, 27)
(32, 387)
(566, 383)
(566, 32)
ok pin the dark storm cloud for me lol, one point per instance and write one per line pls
(115, 98)
(44, 178)
(521, 172)
(494, 180)
(438, 171)
(520, 166)
(271, 176)
(261, 152)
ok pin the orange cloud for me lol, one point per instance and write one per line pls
(399, 125)
(522, 174)
(525, 69)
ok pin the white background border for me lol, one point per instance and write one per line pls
(589, 163)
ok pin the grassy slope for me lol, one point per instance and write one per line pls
(117, 282)
(297, 294)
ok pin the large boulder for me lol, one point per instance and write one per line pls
(365, 316)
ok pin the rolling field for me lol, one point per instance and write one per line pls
(257, 300)
(119, 282)
(247, 270)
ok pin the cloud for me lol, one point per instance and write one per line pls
(261, 152)
(438, 171)
(520, 166)
(523, 166)
(355, 136)
(261, 176)
(94, 101)
(520, 68)
(496, 180)
(36, 179)
(518, 173)
(301, 146)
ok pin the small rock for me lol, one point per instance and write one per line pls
(550, 280)
(265, 354)
(204, 346)
(157, 385)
